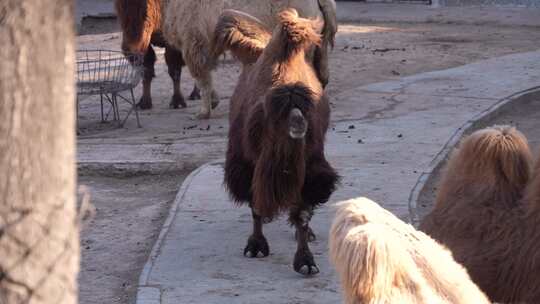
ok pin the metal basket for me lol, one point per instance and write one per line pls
(108, 73)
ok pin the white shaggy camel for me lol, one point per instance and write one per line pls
(189, 25)
(382, 260)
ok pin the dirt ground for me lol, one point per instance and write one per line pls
(116, 241)
(131, 210)
(378, 52)
(363, 54)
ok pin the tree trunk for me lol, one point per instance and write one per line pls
(39, 249)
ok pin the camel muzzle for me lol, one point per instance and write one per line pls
(297, 124)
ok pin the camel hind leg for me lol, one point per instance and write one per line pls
(320, 63)
(209, 97)
(328, 10)
(201, 63)
(195, 93)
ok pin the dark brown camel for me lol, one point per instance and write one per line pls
(279, 116)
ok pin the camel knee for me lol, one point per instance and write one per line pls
(149, 61)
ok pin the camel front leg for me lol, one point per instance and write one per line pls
(149, 73)
(257, 246)
(303, 259)
(311, 235)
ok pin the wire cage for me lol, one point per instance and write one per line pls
(108, 73)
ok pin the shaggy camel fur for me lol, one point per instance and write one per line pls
(279, 116)
(382, 260)
(141, 23)
(481, 216)
(521, 274)
(191, 27)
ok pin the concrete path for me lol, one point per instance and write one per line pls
(385, 138)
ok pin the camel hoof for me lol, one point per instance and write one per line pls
(257, 247)
(177, 101)
(145, 103)
(308, 270)
(304, 263)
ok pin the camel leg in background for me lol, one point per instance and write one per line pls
(200, 65)
(175, 62)
(320, 63)
(209, 97)
(149, 73)
(195, 93)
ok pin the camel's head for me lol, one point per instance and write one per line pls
(280, 73)
(288, 110)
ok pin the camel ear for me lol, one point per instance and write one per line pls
(244, 35)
